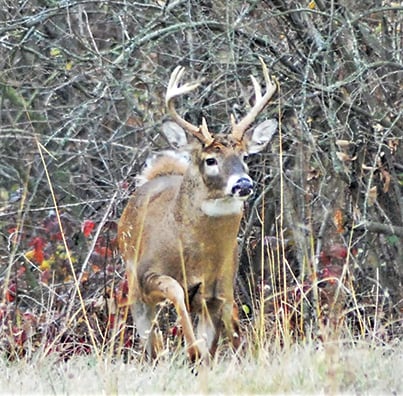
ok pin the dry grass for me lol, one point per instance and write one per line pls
(330, 368)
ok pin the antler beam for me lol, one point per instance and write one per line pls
(174, 90)
(238, 129)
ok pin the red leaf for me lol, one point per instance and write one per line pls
(338, 251)
(21, 271)
(11, 292)
(38, 244)
(176, 331)
(122, 293)
(111, 320)
(324, 258)
(87, 227)
(104, 251)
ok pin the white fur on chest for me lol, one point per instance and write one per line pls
(222, 207)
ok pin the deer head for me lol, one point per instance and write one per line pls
(178, 233)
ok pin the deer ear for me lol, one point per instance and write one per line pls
(175, 134)
(261, 136)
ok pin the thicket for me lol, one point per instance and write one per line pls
(82, 87)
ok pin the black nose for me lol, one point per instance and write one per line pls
(242, 188)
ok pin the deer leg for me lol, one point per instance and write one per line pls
(161, 287)
(219, 315)
(143, 317)
(230, 319)
(209, 325)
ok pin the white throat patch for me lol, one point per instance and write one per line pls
(222, 207)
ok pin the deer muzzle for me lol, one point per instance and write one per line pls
(242, 188)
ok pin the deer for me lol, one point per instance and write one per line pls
(178, 232)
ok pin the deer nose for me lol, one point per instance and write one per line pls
(242, 188)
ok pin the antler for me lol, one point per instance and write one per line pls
(202, 133)
(239, 129)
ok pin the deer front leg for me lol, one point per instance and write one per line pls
(158, 288)
(219, 315)
(230, 319)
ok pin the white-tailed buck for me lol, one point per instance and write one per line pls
(178, 232)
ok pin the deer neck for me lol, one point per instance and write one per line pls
(201, 205)
(221, 207)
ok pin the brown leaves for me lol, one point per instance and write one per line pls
(345, 147)
(386, 178)
(338, 220)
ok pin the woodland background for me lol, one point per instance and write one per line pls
(82, 87)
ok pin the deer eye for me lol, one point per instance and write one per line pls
(211, 161)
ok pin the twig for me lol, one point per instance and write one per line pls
(380, 228)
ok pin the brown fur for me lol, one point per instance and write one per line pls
(165, 166)
(163, 227)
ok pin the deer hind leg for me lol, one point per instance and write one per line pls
(143, 317)
(161, 287)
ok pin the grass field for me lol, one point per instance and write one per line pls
(325, 368)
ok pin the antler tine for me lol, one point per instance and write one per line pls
(208, 139)
(238, 129)
(174, 90)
